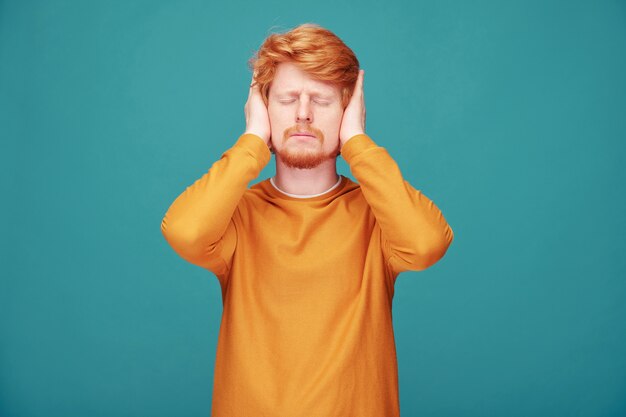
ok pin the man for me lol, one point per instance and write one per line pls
(306, 260)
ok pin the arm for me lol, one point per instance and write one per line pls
(415, 234)
(198, 225)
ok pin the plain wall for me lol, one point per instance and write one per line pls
(509, 115)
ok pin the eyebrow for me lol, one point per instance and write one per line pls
(295, 92)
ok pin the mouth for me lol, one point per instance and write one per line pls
(303, 134)
(303, 138)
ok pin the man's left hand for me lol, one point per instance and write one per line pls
(353, 121)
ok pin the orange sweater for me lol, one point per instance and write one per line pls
(307, 283)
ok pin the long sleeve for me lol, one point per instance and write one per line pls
(415, 234)
(198, 225)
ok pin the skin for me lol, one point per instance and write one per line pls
(300, 103)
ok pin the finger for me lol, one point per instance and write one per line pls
(359, 82)
(362, 78)
(252, 84)
(359, 88)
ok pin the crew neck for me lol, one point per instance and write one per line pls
(332, 190)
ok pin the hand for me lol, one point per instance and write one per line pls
(257, 117)
(353, 121)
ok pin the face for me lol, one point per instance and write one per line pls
(298, 103)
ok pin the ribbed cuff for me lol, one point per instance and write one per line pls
(355, 145)
(256, 146)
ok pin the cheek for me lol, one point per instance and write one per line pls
(336, 113)
(333, 121)
(276, 117)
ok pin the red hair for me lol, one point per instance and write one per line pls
(314, 50)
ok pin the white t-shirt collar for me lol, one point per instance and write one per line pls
(307, 195)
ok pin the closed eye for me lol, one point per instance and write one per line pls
(321, 102)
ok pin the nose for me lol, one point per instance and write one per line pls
(304, 113)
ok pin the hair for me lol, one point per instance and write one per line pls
(315, 50)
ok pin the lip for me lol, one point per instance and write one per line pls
(304, 138)
(303, 135)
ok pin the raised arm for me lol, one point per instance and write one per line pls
(415, 234)
(198, 225)
(414, 231)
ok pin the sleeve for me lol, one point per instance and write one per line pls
(414, 232)
(199, 224)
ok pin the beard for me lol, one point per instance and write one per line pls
(305, 156)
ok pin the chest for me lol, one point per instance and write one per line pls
(309, 232)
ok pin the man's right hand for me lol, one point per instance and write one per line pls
(257, 117)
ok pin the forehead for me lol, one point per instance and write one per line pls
(291, 79)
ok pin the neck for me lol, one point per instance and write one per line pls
(306, 181)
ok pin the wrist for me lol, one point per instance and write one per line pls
(256, 133)
(351, 135)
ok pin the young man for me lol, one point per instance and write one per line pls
(306, 260)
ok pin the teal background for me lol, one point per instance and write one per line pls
(509, 115)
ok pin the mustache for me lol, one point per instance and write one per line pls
(307, 130)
